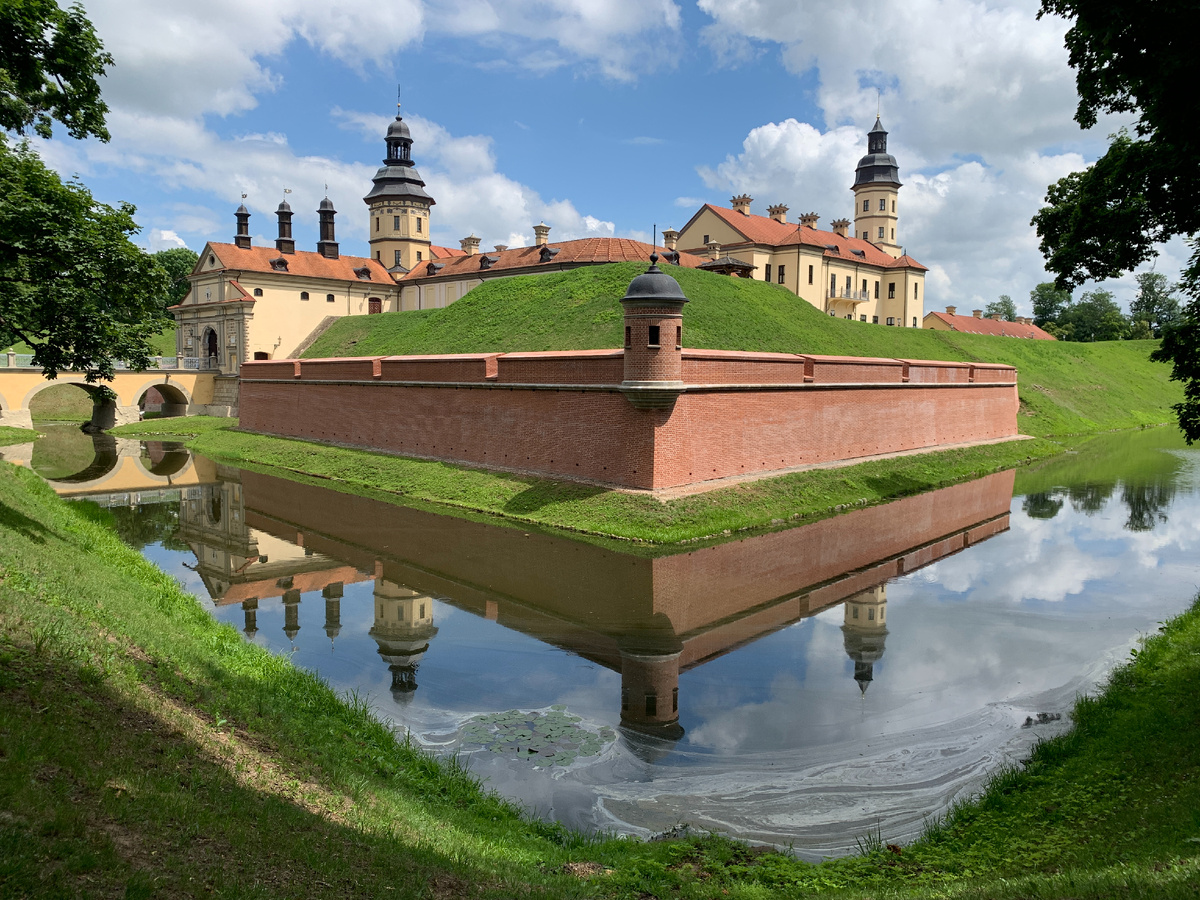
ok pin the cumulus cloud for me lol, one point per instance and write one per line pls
(164, 240)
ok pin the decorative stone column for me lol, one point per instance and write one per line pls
(653, 307)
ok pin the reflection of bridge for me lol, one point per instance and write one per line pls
(125, 467)
(184, 392)
(648, 619)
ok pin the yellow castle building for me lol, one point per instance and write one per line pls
(249, 302)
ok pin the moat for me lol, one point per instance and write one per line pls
(802, 687)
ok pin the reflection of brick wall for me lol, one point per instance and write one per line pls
(560, 414)
(153, 401)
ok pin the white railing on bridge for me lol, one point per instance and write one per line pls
(25, 361)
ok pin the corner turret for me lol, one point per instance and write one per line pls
(399, 206)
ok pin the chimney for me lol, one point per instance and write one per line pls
(670, 238)
(977, 313)
(284, 243)
(714, 249)
(242, 238)
(809, 219)
(741, 203)
(470, 245)
(327, 245)
(778, 212)
(500, 248)
(995, 317)
(951, 310)
(841, 227)
(541, 235)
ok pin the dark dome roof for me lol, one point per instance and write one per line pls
(654, 285)
(399, 129)
(283, 206)
(326, 204)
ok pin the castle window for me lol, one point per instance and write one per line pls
(397, 261)
(914, 321)
(893, 206)
(419, 226)
(624, 699)
(418, 256)
(877, 290)
(893, 234)
(674, 699)
(810, 274)
(862, 318)
(864, 290)
(395, 223)
(304, 295)
(914, 292)
(258, 292)
(651, 705)
(891, 290)
(874, 320)
(871, 614)
(855, 611)
(628, 336)
(705, 241)
(678, 337)
(866, 206)
(881, 232)
(848, 287)
(652, 340)
(377, 223)
(832, 285)
(767, 277)
(883, 205)
(781, 274)
(261, 354)
(891, 320)
(377, 254)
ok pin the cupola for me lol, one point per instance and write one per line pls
(653, 306)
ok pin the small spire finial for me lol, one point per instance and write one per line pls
(397, 101)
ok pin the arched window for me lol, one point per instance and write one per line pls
(329, 298)
(258, 292)
(304, 295)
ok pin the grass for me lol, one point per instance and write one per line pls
(148, 750)
(10, 435)
(714, 515)
(175, 425)
(62, 403)
(1065, 388)
(162, 344)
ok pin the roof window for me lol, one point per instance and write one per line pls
(434, 267)
(548, 253)
(859, 253)
(279, 264)
(363, 272)
(486, 262)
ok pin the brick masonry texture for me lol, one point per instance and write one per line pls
(561, 415)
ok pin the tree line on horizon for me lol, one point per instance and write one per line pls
(1095, 315)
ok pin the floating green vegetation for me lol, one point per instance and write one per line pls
(547, 738)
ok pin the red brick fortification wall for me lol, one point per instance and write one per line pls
(561, 414)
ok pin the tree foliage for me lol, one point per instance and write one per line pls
(72, 285)
(1155, 304)
(1048, 303)
(1133, 58)
(178, 263)
(50, 63)
(1004, 308)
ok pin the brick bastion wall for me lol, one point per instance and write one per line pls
(580, 415)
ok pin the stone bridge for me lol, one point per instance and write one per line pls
(185, 392)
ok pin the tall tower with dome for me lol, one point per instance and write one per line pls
(399, 206)
(876, 193)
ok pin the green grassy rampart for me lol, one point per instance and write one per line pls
(1065, 388)
(148, 751)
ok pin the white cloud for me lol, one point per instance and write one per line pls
(164, 240)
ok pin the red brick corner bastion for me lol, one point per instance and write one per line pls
(650, 416)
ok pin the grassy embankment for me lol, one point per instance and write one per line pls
(1065, 388)
(147, 750)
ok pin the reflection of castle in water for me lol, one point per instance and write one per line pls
(650, 619)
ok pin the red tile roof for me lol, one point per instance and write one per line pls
(303, 262)
(765, 230)
(972, 325)
(444, 252)
(586, 251)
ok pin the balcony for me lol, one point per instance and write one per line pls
(848, 295)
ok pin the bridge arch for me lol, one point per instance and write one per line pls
(176, 398)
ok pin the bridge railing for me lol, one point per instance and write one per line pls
(12, 360)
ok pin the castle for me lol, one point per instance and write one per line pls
(259, 303)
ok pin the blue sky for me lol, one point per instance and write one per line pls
(599, 117)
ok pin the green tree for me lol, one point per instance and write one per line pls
(72, 284)
(1109, 218)
(1095, 316)
(178, 263)
(1048, 303)
(1004, 308)
(50, 60)
(1155, 303)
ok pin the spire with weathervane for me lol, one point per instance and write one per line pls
(399, 205)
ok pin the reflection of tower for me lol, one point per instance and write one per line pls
(403, 629)
(291, 613)
(250, 608)
(650, 689)
(864, 632)
(333, 610)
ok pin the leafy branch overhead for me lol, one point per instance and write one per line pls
(50, 63)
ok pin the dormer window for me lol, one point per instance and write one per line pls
(486, 262)
(279, 264)
(433, 268)
(363, 272)
(548, 253)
